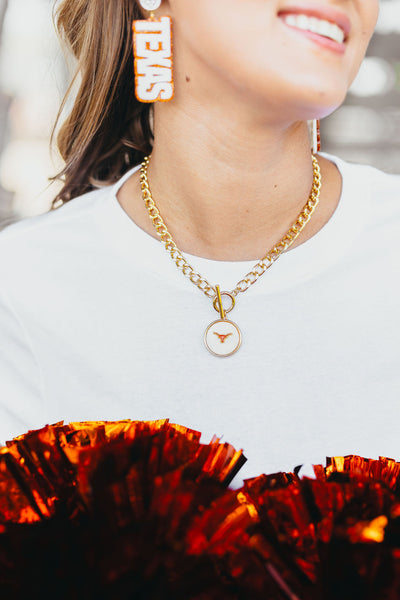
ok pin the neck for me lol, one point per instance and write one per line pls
(229, 189)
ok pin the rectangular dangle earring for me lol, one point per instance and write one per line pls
(152, 47)
(315, 135)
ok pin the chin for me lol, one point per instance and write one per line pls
(320, 101)
(320, 91)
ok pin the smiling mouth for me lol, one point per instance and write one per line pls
(321, 27)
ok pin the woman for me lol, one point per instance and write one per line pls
(97, 321)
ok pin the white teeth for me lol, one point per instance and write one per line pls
(315, 25)
(302, 22)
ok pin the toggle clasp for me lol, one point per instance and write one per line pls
(217, 303)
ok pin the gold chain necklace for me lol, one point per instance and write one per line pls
(223, 337)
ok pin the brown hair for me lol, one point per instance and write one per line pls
(107, 130)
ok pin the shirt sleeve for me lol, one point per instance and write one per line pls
(21, 395)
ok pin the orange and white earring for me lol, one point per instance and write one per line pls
(314, 127)
(152, 48)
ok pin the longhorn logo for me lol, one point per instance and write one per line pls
(222, 336)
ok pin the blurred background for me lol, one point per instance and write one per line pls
(34, 77)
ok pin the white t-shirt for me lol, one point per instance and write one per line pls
(97, 323)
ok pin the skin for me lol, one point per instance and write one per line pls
(231, 166)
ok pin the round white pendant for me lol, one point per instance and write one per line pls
(222, 338)
(150, 4)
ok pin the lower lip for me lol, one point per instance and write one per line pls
(318, 39)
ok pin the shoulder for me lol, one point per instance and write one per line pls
(74, 219)
(33, 241)
(373, 190)
(365, 175)
(74, 211)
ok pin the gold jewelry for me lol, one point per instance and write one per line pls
(223, 337)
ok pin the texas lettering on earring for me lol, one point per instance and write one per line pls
(152, 46)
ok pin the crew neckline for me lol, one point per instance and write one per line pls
(317, 253)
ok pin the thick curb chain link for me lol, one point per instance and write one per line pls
(259, 268)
